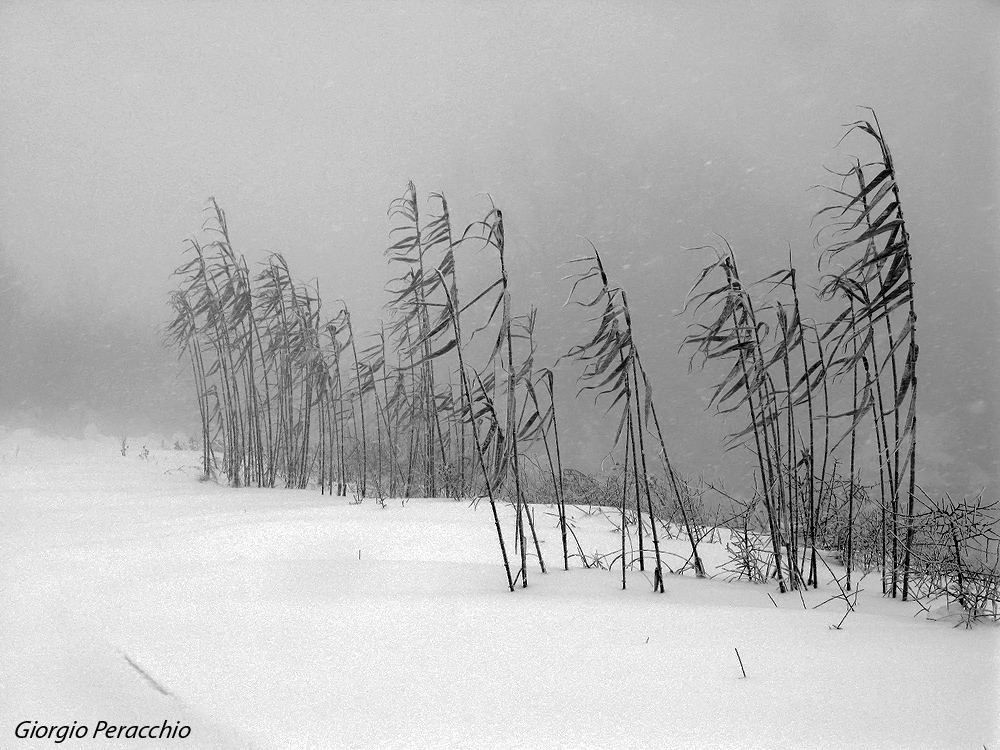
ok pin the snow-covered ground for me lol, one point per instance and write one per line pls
(134, 595)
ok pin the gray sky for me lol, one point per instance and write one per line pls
(646, 127)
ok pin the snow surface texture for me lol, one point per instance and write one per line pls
(134, 594)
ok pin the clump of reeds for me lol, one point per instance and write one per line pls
(284, 394)
(613, 370)
(783, 368)
(877, 328)
(736, 334)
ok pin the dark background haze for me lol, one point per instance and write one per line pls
(646, 127)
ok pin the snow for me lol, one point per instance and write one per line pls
(136, 595)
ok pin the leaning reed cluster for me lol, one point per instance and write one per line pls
(288, 395)
(613, 369)
(783, 368)
(262, 363)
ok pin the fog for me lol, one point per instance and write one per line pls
(647, 128)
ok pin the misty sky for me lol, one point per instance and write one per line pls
(646, 127)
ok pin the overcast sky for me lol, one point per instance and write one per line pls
(646, 127)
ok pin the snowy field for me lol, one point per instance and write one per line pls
(136, 596)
